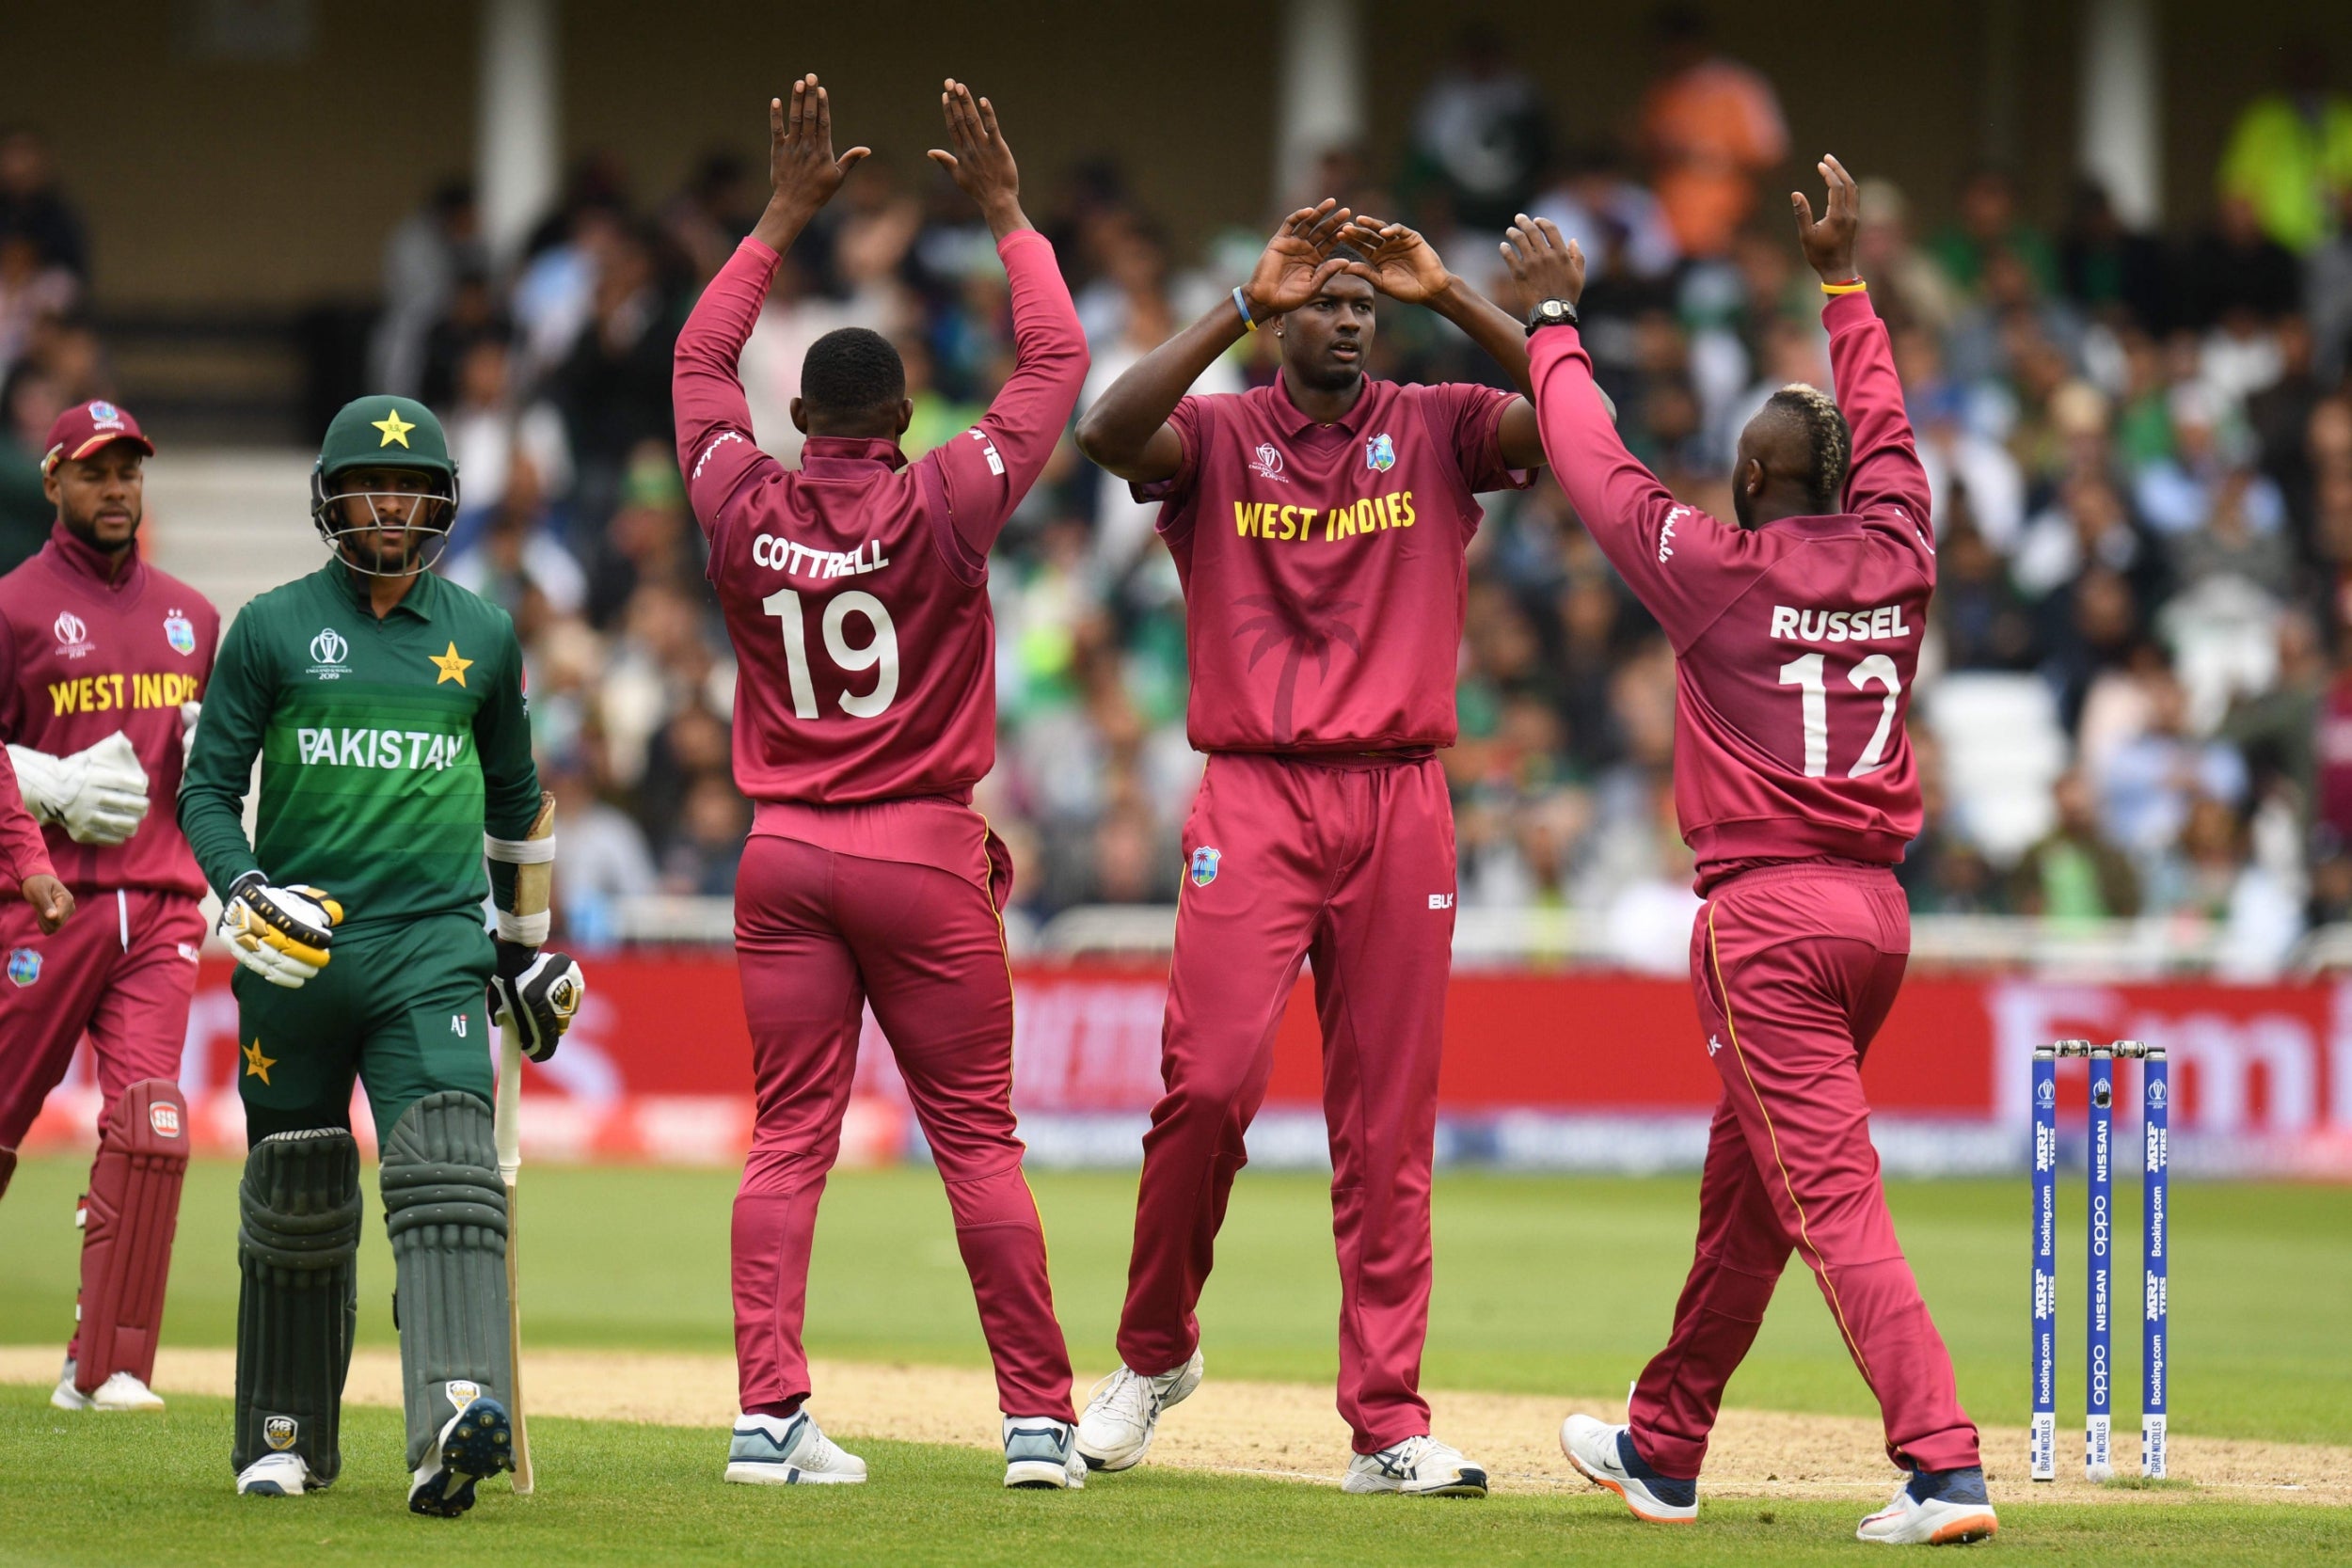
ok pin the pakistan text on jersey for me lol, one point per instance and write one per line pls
(797, 560)
(1349, 521)
(1878, 623)
(103, 694)
(415, 748)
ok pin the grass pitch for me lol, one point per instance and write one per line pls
(1544, 1284)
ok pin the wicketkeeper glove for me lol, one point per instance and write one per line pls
(281, 933)
(98, 794)
(537, 993)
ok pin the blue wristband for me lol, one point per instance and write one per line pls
(1243, 306)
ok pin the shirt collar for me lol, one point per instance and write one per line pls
(1295, 424)
(94, 566)
(841, 454)
(416, 602)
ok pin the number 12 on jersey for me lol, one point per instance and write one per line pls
(1806, 673)
(879, 653)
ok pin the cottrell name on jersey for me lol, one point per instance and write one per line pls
(1878, 623)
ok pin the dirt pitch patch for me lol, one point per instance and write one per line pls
(1291, 1430)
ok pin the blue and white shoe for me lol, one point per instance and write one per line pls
(1605, 1456)
(1041, 1453)
(478, 1441)
(767, 1451)
(1417, 1467)
(1935, 1508)
(275, 1475)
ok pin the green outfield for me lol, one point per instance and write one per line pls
(1545, 1285)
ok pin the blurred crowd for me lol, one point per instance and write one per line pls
(2139, 443)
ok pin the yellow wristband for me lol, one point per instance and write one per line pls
(1853, 287)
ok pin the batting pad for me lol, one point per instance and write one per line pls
(298, 1302)
(446, 1209)
(133, 1209)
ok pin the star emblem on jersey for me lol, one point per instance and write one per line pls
(395, 429)
(257, 1064)
(1380, 453)
(452, 666)
(1203, 870)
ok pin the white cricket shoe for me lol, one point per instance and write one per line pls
(1935, 1508)
(122, 1391)
(1115, 1431)
(769, 1451)
(1041, 1453)
(1605, 1456)
(477, 1442)
(1417, 1467)
(274, 1475)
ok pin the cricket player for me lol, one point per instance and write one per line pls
(855, 590)
(1796, 634)
(102, 665)
(1319, 526)
(386, 707)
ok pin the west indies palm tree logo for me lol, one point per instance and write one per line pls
(1304, 631)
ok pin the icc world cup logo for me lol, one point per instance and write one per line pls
(328, 646)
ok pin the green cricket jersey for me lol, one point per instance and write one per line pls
(388, 747)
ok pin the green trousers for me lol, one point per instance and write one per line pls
(403, 1009)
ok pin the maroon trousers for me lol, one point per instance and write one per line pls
(122, 971)
(1348, 861)
(1794, 967)
(819, 935)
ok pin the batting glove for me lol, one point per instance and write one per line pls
(538, 993)
(98, 794)
(189, 715)
(281, 933)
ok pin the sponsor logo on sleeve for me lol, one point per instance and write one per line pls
(72, 635)
(1267, 464)
(1380, 453)
(24, 966)
(180, 632)
(1441, 900)
(1203, 869)
(330, 654)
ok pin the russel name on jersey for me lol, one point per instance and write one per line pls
(1355, 520)
(104, 693)
(417, 750)
(1878, 623)
(798, 560)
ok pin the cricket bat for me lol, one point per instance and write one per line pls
(534, 891)
(506, 1121)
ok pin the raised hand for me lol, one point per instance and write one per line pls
(1829, 244)
(982, 163)
(1397, 261)
(1548, 266)
(1297, 261)
(803, 173)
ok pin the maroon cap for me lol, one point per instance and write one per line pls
(88, 426)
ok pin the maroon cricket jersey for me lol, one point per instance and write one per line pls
(1324, 565)
(1796, 644)
(23, 851)
(855, 589)
(83, 655)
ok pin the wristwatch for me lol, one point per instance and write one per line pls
(1551, 312)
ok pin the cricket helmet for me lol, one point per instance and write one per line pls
(385, 432)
